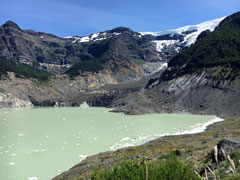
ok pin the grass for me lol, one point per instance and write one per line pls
(167, 168)
(138, 62)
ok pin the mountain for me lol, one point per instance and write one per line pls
(202, 79)
(184, 36)
(57, 55)
(83, 66)
(21, 70)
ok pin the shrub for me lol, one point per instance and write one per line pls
(21, 70)
(171, 169)
(219, 49)
(93, 65)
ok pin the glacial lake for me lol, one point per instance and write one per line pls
(39, 143)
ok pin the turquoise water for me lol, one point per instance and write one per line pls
(39, 143)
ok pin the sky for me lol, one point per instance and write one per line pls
(84, 17)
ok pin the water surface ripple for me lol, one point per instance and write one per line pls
(39, 143)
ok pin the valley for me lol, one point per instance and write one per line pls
(189, 70)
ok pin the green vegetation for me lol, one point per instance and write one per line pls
(192, 150)
(167, 168)
(220, 49)
(224, 167)
(236, 158)
(138, 62)
(93, 65)
(21, 70)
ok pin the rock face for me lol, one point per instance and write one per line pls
(69, 92)
(7, 100)
(190, 93)
(202, 79)
(125, 57)
(229, 145)
(56, 54)
(120, 45)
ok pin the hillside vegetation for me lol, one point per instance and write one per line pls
(93, 65)
(21, 70)
(218, 52)
(168, 168)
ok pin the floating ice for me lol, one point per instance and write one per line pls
(82, 156)
(32, 178)
(84, 104)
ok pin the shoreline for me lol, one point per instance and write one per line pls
(197, 129)
(153, 149)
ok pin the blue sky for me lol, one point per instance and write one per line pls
(83, 17)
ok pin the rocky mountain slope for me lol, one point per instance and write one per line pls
(56, 54)
(201, 79)
(114, 47)
(86, 64)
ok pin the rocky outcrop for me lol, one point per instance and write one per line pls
(229, 145)
(203, 79)
(97, 89)
(194, 93)
(125, 56)
(56, 54)
(7, 100)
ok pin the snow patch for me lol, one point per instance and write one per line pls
(160, 44)
(199, 27)
(68, 37)
(93, 37)
(194, 30)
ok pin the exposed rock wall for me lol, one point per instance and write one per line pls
(194, 93)
(7, 100)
